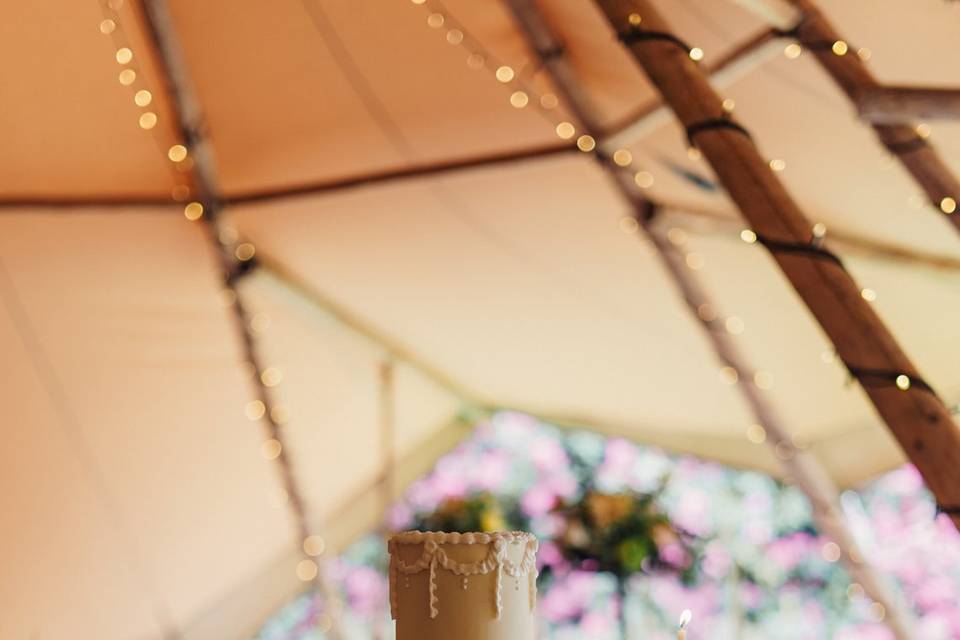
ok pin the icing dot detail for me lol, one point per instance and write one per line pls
(434, 599)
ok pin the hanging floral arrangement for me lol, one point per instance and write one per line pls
(623, 533)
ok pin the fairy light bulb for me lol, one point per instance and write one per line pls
(622, 158)
(259, 323)
(734, 325)
(307, 570)
(271, 449)
(868, 294)
(792, 51)
(454, 36)
(124, 55)
(783, 450)
(244, 251)
(643, 179)
(314, 545)
(435, 20)
(127, 77)
(586, 143)
(694, 261)
(677, 236)
(696, 54)
(475, 61)
(519, 99)
(778, 165)
(878, 611)
(840, 48)
(142, 98)
(763, 380)
(255, 409)
(634, 19)
(549, 101)
(629, 224)
(565, 130)
(728, 104)
(148, 120)
(903, 382)
(271, 377)
(108, 26)
(864, 54)
(756, 433)
(748, 235)
(193, 211)
(948, 205)
(923, 130)
(505, 73)
(177, 153)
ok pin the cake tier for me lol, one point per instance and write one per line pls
(469, 586)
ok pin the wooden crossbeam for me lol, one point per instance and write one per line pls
(908, 104)
(915, 414)
(917, 155)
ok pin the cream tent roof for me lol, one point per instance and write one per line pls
(401, 209)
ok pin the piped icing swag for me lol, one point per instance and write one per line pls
(434, 558)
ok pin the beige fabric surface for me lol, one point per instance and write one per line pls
(137, 500)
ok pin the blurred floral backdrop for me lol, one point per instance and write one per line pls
(737, 548)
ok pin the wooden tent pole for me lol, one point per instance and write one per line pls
(734, 65)
(898, 104)
(917, 417)
(187, 110)
(916, 154)
(799, 464)
(388, 427)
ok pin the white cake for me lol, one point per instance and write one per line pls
(467, 586)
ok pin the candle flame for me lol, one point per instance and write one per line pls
(685, 618)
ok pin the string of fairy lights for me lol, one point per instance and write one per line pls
(132, 77)
(947, 204)
(901, 380)
(238, 257)
(522, 94)
(439, 18)
(480, 58)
